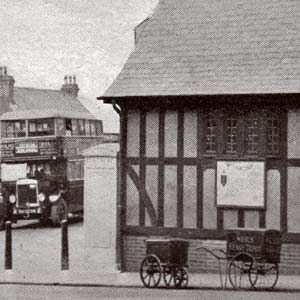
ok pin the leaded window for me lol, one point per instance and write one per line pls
(211, 134)
(252, 135)
(231, 135)
(273, 134)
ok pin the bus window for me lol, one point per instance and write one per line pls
(81, 127)
(68, 127)
(93, 128)
(74, 127)
(87, 127)
(41, 127)
(75, 169)
(20, 128)
(99, 128)
(10, 132)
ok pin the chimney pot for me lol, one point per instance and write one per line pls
(5, 70)
(74, 79)
(66, 79)
(70, 79)
(1, 71)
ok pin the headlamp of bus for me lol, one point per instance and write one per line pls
(54, 198)
(41, 197)
(12, 199)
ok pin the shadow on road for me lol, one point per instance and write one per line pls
(35, 224)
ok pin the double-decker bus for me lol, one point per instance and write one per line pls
(42, 164)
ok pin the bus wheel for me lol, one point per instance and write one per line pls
(59, 212)
(43, 221)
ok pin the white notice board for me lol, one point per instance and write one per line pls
(241, 184)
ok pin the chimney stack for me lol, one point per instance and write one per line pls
(6, 90)
(70, 86)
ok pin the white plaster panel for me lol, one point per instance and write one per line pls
(230, 218)
(170, 204)
(209, 207)
(152, 118)
(133, 133)
(251, 219)
(152, 187)
(190, 133)
(293, 204)
(190, 197)
(100, 194)
(133, 208)
(294, 134)
(171, 120)
(273, 200)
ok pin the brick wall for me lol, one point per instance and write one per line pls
(201, 261)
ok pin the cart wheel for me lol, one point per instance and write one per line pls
(264, 276)
(168, 275)
(240, 268)
(150, 271)
(181, 278)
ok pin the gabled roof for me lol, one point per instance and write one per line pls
(32, 103)
(200, 47)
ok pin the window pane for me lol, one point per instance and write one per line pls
(252, 133)
(20, 128)
(74, 127)
(32, 128)
(273, 134)
(231, 135)
(93, 128)
(210, 134)
(81, 127)
(87, 127)
(10, 131)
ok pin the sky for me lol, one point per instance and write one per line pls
(43, 40)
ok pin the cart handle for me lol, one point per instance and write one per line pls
(223, 256)
(213, 252)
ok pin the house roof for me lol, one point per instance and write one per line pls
(200, 47)
(31, 103)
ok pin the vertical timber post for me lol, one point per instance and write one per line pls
(8, 246)
(64, 246)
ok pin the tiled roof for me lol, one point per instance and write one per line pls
(200, 47)
(39, 103)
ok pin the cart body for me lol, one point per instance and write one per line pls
(169, 251)
(165, 258)
(263, 245)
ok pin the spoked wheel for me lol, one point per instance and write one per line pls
(168, 276)
(150, 271)
(264, 275)
(181, 278)
(240, 268)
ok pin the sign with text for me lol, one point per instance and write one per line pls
(26, 148)
(241, 184)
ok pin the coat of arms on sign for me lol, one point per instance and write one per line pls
(223, 179)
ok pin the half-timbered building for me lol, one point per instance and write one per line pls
(210, 126)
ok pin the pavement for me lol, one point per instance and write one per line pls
(123, 279)
(37, 261)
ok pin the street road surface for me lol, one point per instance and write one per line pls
(27, 292)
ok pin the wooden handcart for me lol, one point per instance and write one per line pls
(167, 259)
(252, 258)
